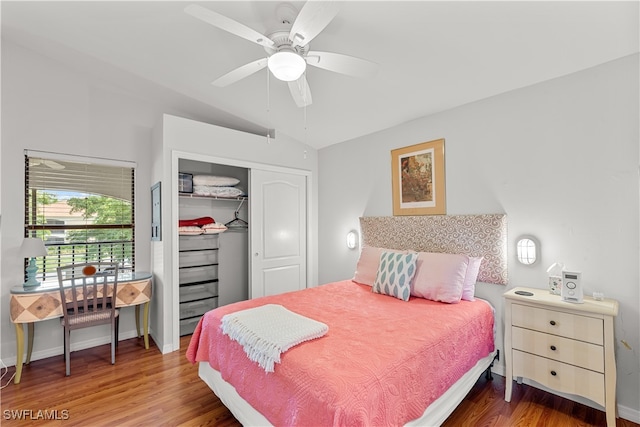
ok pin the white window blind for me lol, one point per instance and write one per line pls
(82, 209)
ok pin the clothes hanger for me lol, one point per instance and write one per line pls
(237, 222)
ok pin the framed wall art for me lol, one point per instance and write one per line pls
(418, 179)
(156, 212)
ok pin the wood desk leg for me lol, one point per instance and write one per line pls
(20, 351)
(145, 323)
(31, 332)
(137, 320)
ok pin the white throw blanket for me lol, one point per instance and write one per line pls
(269, 330)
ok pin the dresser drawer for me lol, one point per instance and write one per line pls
(188, 275)
(197, 308)
(201, 257)
(578, 353)
(567, 378)
(569, 325)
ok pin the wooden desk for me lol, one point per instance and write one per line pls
(28, 306)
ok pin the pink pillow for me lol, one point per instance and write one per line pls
(368, 263)
(469, 287)
(440, 277)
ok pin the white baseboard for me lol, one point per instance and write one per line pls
(623, 411)
(75, 346)
(629, 414)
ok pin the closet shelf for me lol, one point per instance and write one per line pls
(198, 196)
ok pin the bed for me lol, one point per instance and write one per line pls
(386, 359)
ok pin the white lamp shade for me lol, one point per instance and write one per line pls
(32, 247)
(286, 65)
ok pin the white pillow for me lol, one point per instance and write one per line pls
(368, 263)
(214, 228)
(440, 277)
(191, 230)
(216, 181)
(469, 286)
(211, 190)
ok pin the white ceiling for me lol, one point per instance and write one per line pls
(432, 56)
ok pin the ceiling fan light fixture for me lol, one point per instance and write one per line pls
(286, 65)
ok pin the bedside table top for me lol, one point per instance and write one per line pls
(606, 306)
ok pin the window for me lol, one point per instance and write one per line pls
(82, 208)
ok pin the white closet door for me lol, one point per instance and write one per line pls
(278, 224)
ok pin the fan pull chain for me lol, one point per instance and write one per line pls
(305, 110)
(268, 109)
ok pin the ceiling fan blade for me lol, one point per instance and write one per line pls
(300, 92)
(227, 24)
(53, 164)
(339, 63)
(240, 73)
(314, 16)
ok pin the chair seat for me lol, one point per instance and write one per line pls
(89, 318)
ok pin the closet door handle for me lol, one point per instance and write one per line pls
(553, 347)
(552, 323)
(554, 373)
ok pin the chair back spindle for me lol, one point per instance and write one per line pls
(88, 295)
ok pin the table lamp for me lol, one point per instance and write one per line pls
(31, 248)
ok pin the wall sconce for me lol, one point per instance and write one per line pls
(32, 247)
(527, 250)
(352, 239)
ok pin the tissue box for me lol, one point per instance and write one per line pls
(555, 284)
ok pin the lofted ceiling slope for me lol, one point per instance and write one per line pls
(432, 56)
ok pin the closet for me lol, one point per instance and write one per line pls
(213, 269)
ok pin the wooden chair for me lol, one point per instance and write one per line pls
(88, 296)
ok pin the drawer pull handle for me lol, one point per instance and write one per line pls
(553, 323)
(553, 347)
(554, 373)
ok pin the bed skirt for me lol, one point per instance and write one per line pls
(434, 415)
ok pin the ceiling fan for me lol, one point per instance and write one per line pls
(48, 163)
(287, 47)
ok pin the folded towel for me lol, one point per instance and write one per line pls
(269, 330)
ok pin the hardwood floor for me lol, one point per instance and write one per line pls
(145, 388)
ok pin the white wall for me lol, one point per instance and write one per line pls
(189, 139)
(560, 158)
(46, 106)
(52, 106)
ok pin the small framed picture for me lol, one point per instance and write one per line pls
(185, 182)
(156, 212)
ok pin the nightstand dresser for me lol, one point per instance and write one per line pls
(564, 346)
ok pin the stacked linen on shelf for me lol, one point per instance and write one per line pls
(202, 225)
(218, 186)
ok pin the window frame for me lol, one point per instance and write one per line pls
(48, 264)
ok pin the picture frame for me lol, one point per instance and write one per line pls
(156, 212)
(418, 179)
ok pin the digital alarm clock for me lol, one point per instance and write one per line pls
(571, 290)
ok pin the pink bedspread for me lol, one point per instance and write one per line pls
(382, 362)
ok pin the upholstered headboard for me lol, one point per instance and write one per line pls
(473, 235)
